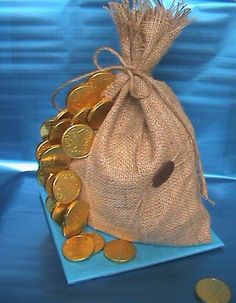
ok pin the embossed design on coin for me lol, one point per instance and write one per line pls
(78, 248)
(77, 141)
(66, 186)
(119, 251)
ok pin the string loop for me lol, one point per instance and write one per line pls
(130, 70)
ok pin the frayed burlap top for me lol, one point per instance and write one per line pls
(145, 128)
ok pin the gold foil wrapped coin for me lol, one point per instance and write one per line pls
(67, 233)
(41, 148)
(48, 184)
(64, 114)
(66, 186)
(77, 141)
(80, 97)
(54, 160)
(42, 176)
(76, 215)
(119, 251)
(211, 290)
(50, 204)
(45, 129)
(97, 240)
(58, 130)
(101, 81)
(78, 248)
(81, 116)
(59, 212)
(98, 114)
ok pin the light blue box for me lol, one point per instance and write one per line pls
(98, 266)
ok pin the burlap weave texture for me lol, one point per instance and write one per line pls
(145, 128)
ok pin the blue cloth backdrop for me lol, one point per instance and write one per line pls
(42, 44)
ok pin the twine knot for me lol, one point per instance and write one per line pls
(130, 70)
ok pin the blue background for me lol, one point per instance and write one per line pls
(44, 43)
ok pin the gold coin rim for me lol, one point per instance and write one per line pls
(94, 110)
(212, 279)
(81, 258)
(93, 235)
(63, 138)
(57, 177)
(70, 208)
(50, 122)
(119, 260)
(68, 98)
(53, 137)
(39, 146)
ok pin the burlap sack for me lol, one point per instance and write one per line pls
(145, 128)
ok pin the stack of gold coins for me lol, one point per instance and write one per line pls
(67, 136)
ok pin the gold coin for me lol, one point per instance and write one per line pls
(119, 251)
(50, 204)
(101, 81)
(97, 240)
(54, 160)
(58, 130)
(67, 233)
(41, 176)
(78, 248)
(45, 129)
(66, 186)
(80, 97)
(41, 148)
(48, 184)
(77, 141)
(64, 114)
(81, 116)
(98, 114)
(59, 212)
(77, 215)
(211, 290)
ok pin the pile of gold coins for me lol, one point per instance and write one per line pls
(67, 136)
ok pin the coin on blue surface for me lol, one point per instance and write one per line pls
(78, 248)
(119, 251)
(97, 240)
(59, 212)
(211, 290)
